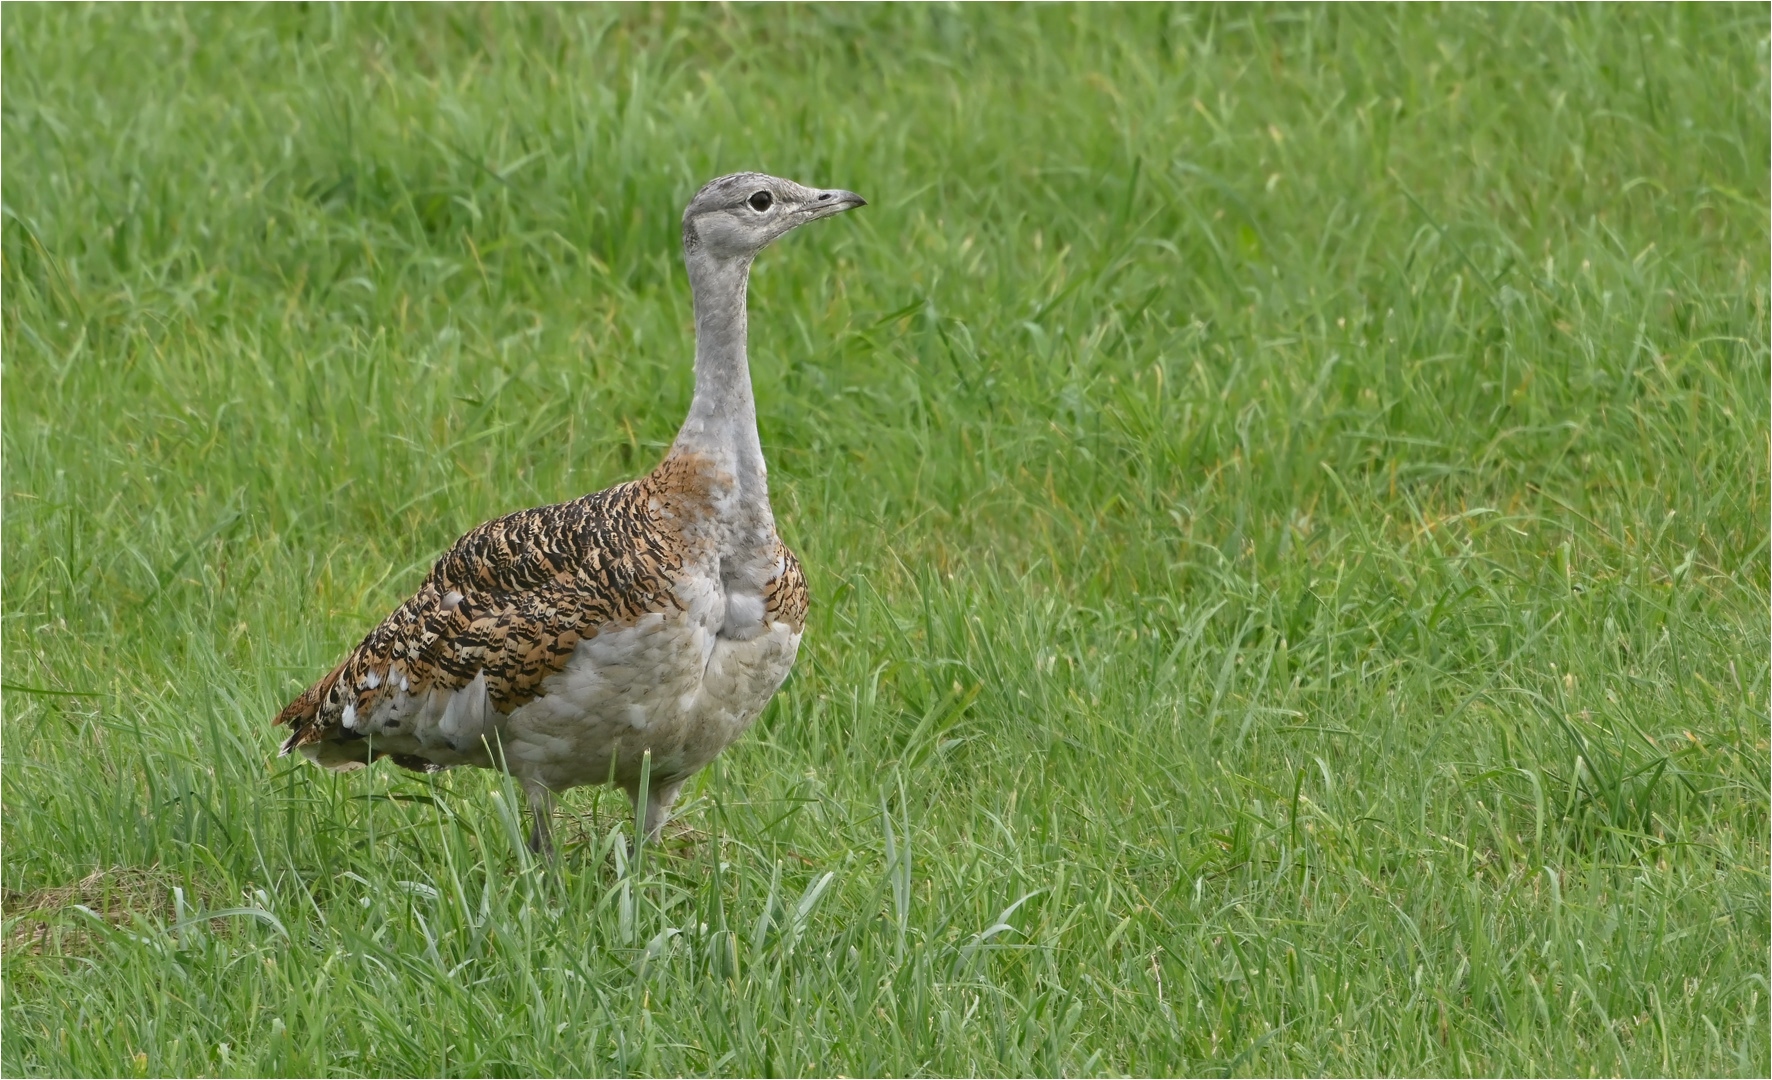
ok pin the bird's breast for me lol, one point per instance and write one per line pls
(683, 685)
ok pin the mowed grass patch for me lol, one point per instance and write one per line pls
(1284, 492)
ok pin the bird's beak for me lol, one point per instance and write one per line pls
(833, 201)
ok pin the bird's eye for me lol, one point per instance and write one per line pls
(762, 201)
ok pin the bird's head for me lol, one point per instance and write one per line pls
(736, 216)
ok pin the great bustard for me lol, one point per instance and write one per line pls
(567, 642)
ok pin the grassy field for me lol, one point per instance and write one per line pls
(1285, 493)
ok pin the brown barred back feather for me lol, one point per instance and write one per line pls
(514, 597)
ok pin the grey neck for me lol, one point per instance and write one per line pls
(722, 421)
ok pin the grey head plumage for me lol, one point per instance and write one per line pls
(737, 215)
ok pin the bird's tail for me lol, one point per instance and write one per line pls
(301, 713)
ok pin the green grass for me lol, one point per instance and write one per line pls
(1285, 494)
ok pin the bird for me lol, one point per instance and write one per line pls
(627, 636)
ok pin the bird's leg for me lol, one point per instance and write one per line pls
(541, 810)
(657, 811)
